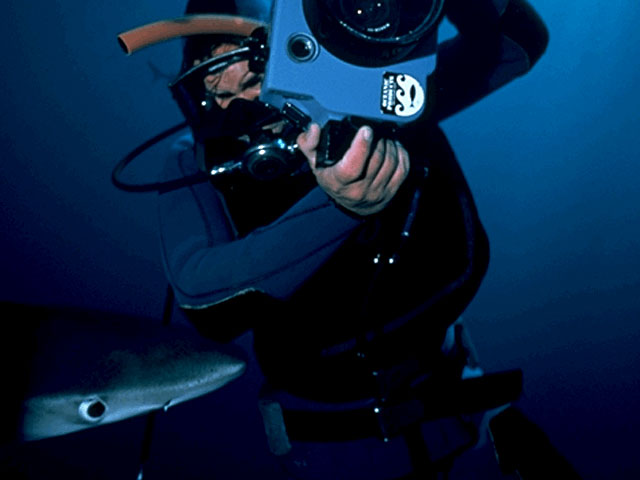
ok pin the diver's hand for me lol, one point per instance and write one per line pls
(366, 179)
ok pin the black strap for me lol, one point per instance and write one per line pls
(431, 400)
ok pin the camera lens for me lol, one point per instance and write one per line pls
(371, 17)
(373, 32)
(270, 160)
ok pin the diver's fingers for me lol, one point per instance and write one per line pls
(353, 165)
(393, 171)
(308, 143)
(386, 170)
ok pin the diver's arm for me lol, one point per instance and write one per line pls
(497, 41)
(206, 262)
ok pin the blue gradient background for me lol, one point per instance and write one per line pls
(553, 160)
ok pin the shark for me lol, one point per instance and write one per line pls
(77, 369)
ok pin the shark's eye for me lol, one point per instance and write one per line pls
(92, 409)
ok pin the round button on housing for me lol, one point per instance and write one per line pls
(302, 47)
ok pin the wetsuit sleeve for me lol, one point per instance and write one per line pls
(497, 41)
(206, 262)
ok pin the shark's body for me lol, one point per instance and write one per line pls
(83, 369)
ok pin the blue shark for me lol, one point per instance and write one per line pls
(85, 369)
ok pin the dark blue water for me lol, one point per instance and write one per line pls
(553, 160)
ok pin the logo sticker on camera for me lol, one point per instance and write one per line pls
(402, 95)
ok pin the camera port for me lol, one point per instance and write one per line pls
(302, 48)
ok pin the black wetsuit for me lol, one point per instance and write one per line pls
(314, 282)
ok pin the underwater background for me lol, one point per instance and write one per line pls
(553, 160)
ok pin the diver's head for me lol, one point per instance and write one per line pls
(199, 47)
(218, 69)
(235, 81)
(218, 91)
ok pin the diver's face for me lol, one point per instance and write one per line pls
(236, 81)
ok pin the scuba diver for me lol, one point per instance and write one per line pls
(351, 274)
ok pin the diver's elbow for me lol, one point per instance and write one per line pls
(522, 24)
(538, 45)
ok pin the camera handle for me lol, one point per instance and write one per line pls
(336, 137)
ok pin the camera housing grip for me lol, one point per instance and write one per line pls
(336, 137)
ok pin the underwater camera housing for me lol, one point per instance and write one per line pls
(345, 63)
(339, 63)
